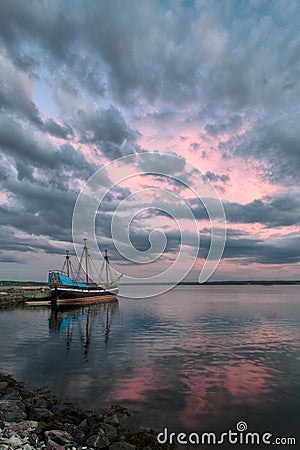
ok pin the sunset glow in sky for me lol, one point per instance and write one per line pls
(213, 82)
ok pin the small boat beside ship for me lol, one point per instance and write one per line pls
(67, 285)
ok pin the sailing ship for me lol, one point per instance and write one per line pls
(65, 284)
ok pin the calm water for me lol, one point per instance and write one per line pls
(193, 359)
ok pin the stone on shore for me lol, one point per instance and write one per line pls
(41, 421)
(3, 386)
(98, 440)
(121, 446)
(12, 410)
(13, 441)
(27, 425)
(59, 437)
(110, 431)
(40, 414)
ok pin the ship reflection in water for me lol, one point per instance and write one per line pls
(64, 319)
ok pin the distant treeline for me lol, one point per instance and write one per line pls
(224, 283)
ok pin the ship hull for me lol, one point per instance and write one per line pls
(71, 293)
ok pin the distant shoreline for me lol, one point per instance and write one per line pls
(224, 283)
(183, 283)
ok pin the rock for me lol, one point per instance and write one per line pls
(76, 432)
(124, 418)
(91, 440)
(12, 395)
(51, 446)
(121, 446)
(3, 386)
(40, 414)
(37, 401)
(83, 424)
(98, 441)
(41, 428)
(113, 419)
(110, 430)
(27, 425)
(59, 437)
(27, 447)
(69, 427)
(26, 417)
(12, 410)
(33, 439)
(13, 441)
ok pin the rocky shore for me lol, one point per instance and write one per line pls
(35, 420)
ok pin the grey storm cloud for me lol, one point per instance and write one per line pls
(101, 126)
(246, 250)
(108, 130)
(195, 146)
(286, 251)
(215, 177)
(276, 141)
(239, 247)
(224, 124)
(11, 258)
(57, 130)
(161, 164)
(30, 149)
(281, 210)
(14, 95)
(139, 239)
(49, 24)
(21, 142)
(272, 212)
(225, 67)
(39, 211)
(207, 52)
(8, 242)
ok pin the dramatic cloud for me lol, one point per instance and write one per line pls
(14, 91)
(255, 251)
(283, 210)
(106, 129)
(57, 130)
(215, 83)
(276, 141)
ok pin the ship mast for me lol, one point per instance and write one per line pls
(106, 267)
(68, 262)
(85, 249)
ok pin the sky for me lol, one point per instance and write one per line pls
(213, 83)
